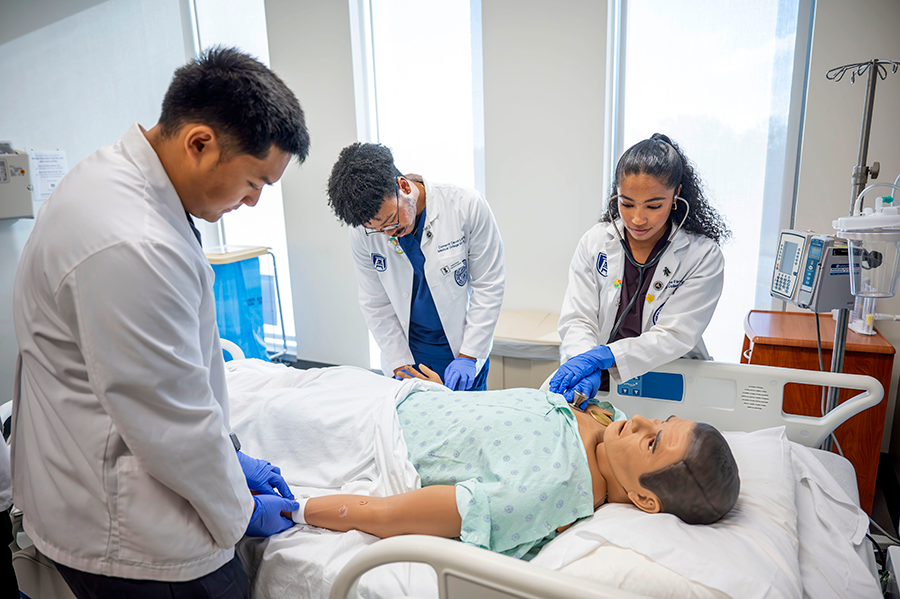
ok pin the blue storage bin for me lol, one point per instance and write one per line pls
(239, 305)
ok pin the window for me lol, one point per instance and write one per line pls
(424, 96)
(242, 24)
(723, 80)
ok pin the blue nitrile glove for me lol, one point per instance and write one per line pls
(460, 374)
(581, 366)
(262, 476)
(267, 519)
(588, 385)
(400, 378)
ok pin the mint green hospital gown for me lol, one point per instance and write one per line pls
(515, 456)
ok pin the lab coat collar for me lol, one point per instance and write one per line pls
(163, 191)
(432, 207)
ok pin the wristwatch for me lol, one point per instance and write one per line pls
(235, 441)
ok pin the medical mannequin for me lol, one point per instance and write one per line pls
(123, 464)
(429, 262)
(645, 281)
(625, 460)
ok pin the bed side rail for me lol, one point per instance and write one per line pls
(739, 397)
(232, 348)
(467, 572)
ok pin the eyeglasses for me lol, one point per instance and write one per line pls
(387, 228)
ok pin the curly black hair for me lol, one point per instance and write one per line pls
(362, 177)
(661, 158)
(248, 106)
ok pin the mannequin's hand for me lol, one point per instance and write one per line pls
(400, 371)
(425, 373)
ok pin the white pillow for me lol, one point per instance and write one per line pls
(621, 568)
(751, 552)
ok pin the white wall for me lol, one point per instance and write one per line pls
(848, 32)
(544, 87)
(310, 49)
(77, 84)
(544, 78)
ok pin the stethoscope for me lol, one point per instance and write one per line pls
(642, 268)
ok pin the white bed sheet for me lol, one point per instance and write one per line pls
(282, 414)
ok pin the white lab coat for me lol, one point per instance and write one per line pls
(680, 302)
(122, 463)
(464, 267)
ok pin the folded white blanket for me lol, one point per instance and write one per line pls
(332, 430)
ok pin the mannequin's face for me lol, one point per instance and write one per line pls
(640, 446)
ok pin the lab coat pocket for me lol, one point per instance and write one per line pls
(455, 268)
(155, 524)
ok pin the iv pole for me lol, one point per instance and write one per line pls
(876, 68)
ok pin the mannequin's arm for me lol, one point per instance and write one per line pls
(426, 511)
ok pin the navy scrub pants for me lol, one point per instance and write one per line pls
(8, 587)
(228, 582)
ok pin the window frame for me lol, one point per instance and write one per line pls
(784, 209)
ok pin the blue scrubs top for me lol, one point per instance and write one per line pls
(427, 340)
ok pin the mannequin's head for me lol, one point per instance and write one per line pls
(674, 466)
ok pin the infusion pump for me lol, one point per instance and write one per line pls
(812, 271)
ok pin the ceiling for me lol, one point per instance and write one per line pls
(20, 17)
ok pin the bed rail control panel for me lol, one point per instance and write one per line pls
(654, 385)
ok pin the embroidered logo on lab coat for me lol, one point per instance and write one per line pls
(601, 264)
(461, 274)
(675, 284)
(656, 313)
(380, 262)
(451, 245)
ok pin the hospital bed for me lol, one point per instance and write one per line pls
(733, 397)
(796, 530)
(314, 563)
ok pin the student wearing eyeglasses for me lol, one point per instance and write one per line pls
(429, 262)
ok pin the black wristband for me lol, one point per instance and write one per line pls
(235, 441)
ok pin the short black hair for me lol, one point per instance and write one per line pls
(702, 487)
(247, 105)
(360, 179)
(662, 159)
